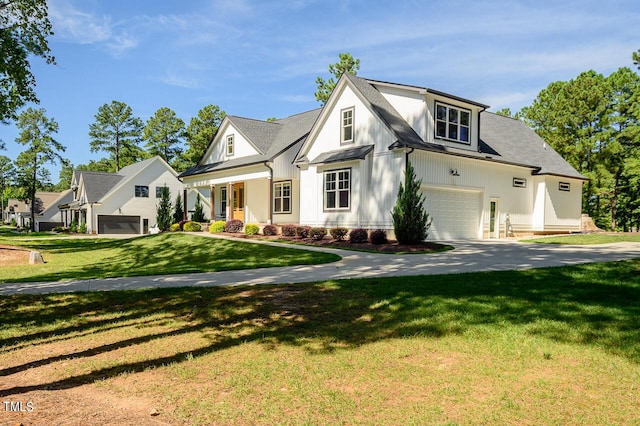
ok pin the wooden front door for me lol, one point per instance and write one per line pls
(238, 201)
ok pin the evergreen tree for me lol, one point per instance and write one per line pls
(163, 213)
(36, 132)
(410, 220)
(198, 211)
(178, 212)
(347, 64)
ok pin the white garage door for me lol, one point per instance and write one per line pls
(454, 214)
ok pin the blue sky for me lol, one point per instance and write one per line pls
(260, 58)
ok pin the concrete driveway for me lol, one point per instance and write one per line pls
(468, 256)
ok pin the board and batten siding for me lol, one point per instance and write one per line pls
(492, 180)
(218, 151)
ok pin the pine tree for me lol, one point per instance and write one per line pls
(178, 212)
(410, 220)
(163, 213)
(198, 211)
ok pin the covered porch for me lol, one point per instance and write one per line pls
(242, 196)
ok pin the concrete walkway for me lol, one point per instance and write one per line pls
(468, 256)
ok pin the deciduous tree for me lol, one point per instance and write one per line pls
(118, 132)
(348, 64)
(24, 28)
(7, 174)
(36, 133)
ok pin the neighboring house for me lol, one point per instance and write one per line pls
(483, 175)
(124, 202)
(20, 211)
(248, 170)
(16, 210)
(52, 216)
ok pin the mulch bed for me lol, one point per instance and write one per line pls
(390, 247)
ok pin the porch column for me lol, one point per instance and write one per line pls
(229, 212)
(270, 203)
(212, 202)
(184, 203)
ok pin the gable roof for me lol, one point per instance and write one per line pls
(99, 185)
(502, 139)
(269, 138)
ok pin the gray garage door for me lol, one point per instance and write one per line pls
(454, 214)
(114, 224)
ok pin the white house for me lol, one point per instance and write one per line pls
(247, 169)
(124, 202)
(52, 216)
(483, 175)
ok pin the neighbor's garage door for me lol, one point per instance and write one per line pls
(454, 214)
(113, 224)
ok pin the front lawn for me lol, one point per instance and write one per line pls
(545, 347)
(585, 239)
(167, 253)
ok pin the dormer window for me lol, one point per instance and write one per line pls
(453, 123)
(229, 145)
(346, 127)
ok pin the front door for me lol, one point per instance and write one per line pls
(238, 201)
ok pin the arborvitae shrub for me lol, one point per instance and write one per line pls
(358, 235)
(410, 220)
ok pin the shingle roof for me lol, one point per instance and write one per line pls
(357, 153)
(270, 138)
(98, 184)
(502, 139)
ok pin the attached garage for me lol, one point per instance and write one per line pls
(116, 224)
(454, 213)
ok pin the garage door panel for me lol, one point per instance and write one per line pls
(116, 224)
(454, 214)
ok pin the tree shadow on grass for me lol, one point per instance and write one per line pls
(174, 254)
(594, 305)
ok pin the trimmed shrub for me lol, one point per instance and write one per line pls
(302, 231)
(339, 233)
(82, 229)
(379, 236)
(181, 223)
(270, 230)
(289, 230)
(251, 229)
(192, 226)
(175, 227)
(317, 233)
(216, 227)
(358, 235)
(233, 225)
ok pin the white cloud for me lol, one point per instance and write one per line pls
(172, 78)
(73, 25)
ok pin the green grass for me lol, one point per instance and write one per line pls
(584, 239)
(544, 346)
(167, 253)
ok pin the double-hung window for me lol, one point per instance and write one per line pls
(142, 191)
(337, 189)
(230, 145)
(282, 197)
(346, 126)
(453, 123)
